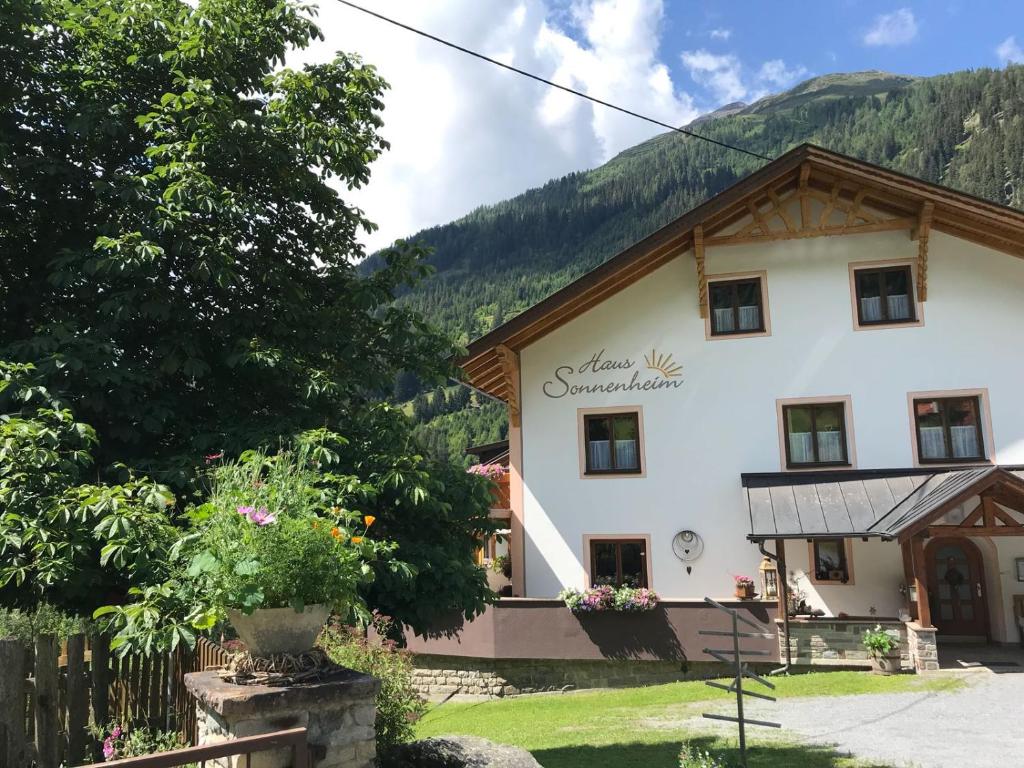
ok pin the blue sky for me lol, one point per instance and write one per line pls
(843, 36)
(464, 133)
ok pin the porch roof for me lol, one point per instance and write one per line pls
(880, 502)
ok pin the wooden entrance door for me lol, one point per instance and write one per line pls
(957, 587)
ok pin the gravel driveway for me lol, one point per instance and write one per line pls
(978, 726)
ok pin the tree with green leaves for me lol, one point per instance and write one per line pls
(179, 271)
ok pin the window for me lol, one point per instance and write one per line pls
(815, 434)
(737, 306)
(612, 443)
(885, 295)
(949, 429)
(618, 562)
(830, 561)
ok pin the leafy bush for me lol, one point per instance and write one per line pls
(398, 704)
(45, 620)
(121, 741)
(879, 642)
(694, 757)
(607, 598)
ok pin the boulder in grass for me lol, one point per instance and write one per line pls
(456, 752)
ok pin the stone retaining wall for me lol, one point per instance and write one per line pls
(437, 676)
(837, 642)
(924, 650)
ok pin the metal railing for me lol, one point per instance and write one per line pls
(294, 738)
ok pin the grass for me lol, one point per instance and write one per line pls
(645, 727)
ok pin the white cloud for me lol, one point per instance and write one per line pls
(1009, 52)
(720, 34)
(896, 28)
(723, 75)
(465, 133)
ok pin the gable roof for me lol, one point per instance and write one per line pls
(829, 174)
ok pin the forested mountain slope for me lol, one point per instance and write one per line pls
(964, 130)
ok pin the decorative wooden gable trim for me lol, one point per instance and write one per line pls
(998, 493)
(702, 276)
(785, 211)
(922, 232)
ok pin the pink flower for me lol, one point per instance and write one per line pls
(262, 516)
(116, 733)
(108, 749)
(247, 511)
(212, 457)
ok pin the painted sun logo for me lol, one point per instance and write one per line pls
(663, 364)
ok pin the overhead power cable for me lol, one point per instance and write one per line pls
(540, 79)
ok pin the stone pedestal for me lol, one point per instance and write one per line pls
(924, 650)
(339, 714)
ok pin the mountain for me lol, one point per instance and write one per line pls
(964, 130)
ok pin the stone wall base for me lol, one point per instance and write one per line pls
(436, 676)
(838, 642)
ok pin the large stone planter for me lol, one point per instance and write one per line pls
(270, 631)
(886, 665)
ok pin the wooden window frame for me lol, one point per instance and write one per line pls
(582, 417)
(734, 278)
(589, 540)
(884, 265)
(843, 432)
(980, 406)
(812, 562)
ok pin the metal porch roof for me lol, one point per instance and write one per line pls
(878, 503)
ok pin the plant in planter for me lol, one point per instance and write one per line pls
(884, 650)
(274, 555)
(638, 600)
(594, 600)
(744, 587)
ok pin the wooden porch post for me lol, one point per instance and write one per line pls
(917, 561)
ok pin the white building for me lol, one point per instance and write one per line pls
(825, 360)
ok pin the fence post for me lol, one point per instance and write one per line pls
(99, 667)
(47, 723)
(78, 700)
(12, 703)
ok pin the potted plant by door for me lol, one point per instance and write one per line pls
(744, 587)
(273, 555)
(883, 649)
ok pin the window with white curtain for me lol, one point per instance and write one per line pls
(885, 295)
(815, 434)
(612, 443)
(736, 306)
(949, 429)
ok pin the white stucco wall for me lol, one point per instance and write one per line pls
(722, 421)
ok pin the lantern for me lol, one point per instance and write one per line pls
(769, 580)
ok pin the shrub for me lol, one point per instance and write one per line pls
(121, 741)
(693, 757)
(879, 642)
(398, 704)
(45, 620)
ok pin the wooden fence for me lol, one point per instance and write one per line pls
(50, 694)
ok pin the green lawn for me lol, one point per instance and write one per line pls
(644, 727)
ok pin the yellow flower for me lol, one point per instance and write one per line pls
(336, 510)
(336, 532)
(316, 524)
(369, 520)
(357, 539)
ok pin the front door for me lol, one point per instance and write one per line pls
(957, 588)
